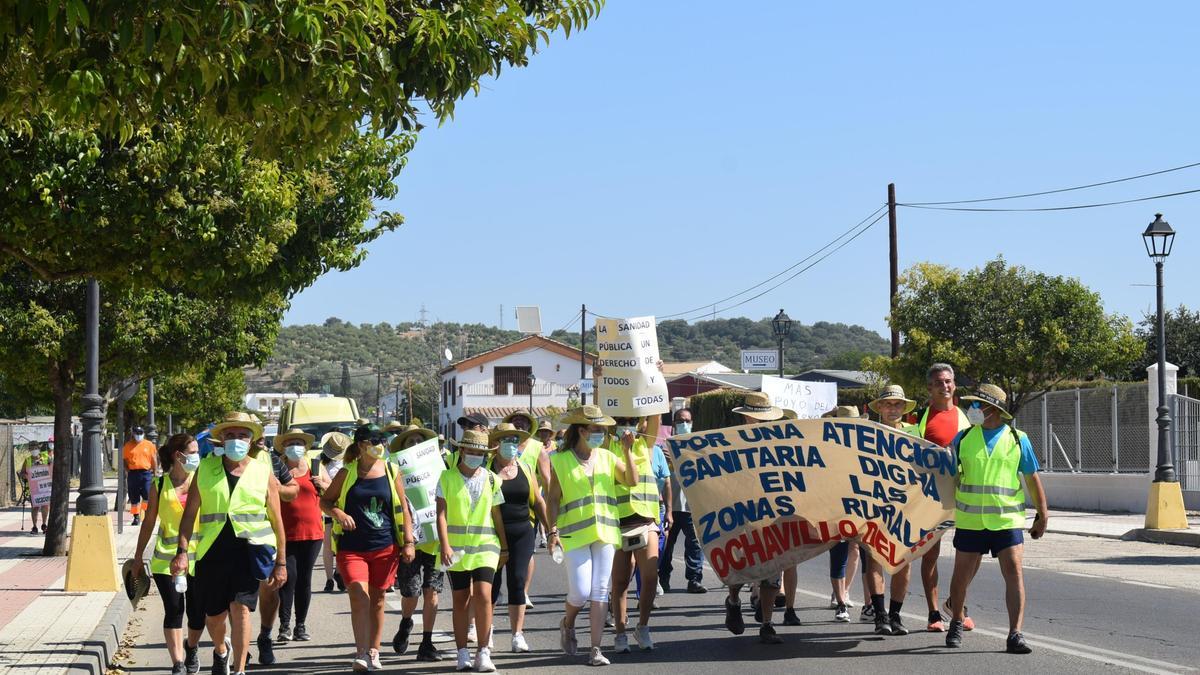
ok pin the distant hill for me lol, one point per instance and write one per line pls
(309, 358)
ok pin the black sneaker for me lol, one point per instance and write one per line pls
(427, 652)
(43, 528)
(780, 601)
(757, 611)
(734, 622)
(285, 633)
(137, 520)
(790, 618)
(191, 658)
(767, 635)
(867, 615)
(897, 625)
(301, 633)
(400, 641)
(666, 585)
(696, 587)
(337, 579)
(266, 649)
(1016, 644)
(178, 669)
(882, 627)
(954, 634)
(329, 585)
(220, 664)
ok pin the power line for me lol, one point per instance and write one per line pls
(708, 308)
(1051, 192)
(1071, 207)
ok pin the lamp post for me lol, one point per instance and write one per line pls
(782, 325)
(1158, 238)
(532, 381)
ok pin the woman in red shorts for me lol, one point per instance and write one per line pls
(370, 535)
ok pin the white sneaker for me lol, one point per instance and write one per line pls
(360, 664)
(373, 662)
(842, 615)
(471, 635)
(659, 592)
(483, 662)
(566, 638)
(464, 660)
(833, 601)
(519, 644)
(642, 635)
(528, 602)
(597, 658)
(621, 644)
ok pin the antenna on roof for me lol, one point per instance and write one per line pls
(529, 320)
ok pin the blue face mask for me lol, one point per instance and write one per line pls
(191, 462)
(596, 440)
(622, 430)
(508, 449)
(294, 452)
(237, 449)
(683, 428)
(472, 461)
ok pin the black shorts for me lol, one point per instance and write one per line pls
(223, 581)
(461, 581)
(420, 574)
(138, 488)
(987, 541)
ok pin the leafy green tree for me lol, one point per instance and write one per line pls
(299, 74)
(1183, 341)
(1022, 330)
(194, 397)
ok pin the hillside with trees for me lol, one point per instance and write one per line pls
(343, 358)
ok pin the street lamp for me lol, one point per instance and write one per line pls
(532, 381)
(1158, 238)
(782, 325)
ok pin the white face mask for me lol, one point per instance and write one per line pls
(139, 437)
(378, 452)
(472, 461)
(294, 452)
(596, 440)
(237, 448)
(191, 462)
(683, 428)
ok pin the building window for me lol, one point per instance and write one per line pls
(517, 376)
(454, 391)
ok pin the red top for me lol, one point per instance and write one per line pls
(302, 515)
(942, 426)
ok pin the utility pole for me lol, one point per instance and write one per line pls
(582, 351)
(408, 381)
(151, 427)
(378, 394)
(397, 413)
(894, 260)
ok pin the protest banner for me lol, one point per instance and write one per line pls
(808, 399)
(422, 466)
(630, 383)
(767, 496)
(39, 485)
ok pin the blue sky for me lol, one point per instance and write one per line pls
(675, 153)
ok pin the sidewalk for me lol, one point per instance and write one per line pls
(43, 629)
(1126, 526)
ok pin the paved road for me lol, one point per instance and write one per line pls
(1092, 616)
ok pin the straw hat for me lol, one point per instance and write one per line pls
(789, 414)
(506, 430)
(473, 440)
(411, 430)
(335, 441)
(991, 395)
(894, 392)
(395, 427)
(757, 405)
(281, 440)
(533, 423)
(843, 411)
(546, 425)
(137, 587)
(361, 422)
(236, 420)
(588, 414)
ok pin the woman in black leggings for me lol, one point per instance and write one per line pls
(520, 497)
(305, 531)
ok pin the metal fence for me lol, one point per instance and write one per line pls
(1098, 430)
(8, 467)
(1185, 424)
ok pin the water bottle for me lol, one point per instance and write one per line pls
(181, 583)
(556, 554)
(455, 556)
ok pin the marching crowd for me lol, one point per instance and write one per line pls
(241, 529)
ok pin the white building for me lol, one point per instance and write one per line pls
(497, 382)
(268, 405)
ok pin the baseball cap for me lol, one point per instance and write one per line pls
(473, 418)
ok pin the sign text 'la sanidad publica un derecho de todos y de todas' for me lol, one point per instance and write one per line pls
(770, 495)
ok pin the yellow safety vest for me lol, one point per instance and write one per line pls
(471, 530)
(246, 508)
(963, 422)
(588, 510)
(642, 499)
(397, 507)
(170, 514)
(530, 455)
(989, 494)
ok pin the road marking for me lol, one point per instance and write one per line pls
(1143, 583)
(1081, 574)
(1076, 649)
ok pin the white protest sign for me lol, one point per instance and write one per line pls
(422, 466)
(39, 485)
(760, 359)
(808, 399)
(630, 383)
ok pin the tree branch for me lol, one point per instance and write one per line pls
(41, 272)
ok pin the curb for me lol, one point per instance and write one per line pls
(1085, 533)
(1176, 537)
(96, 652)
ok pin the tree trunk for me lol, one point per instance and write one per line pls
(62, 387)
